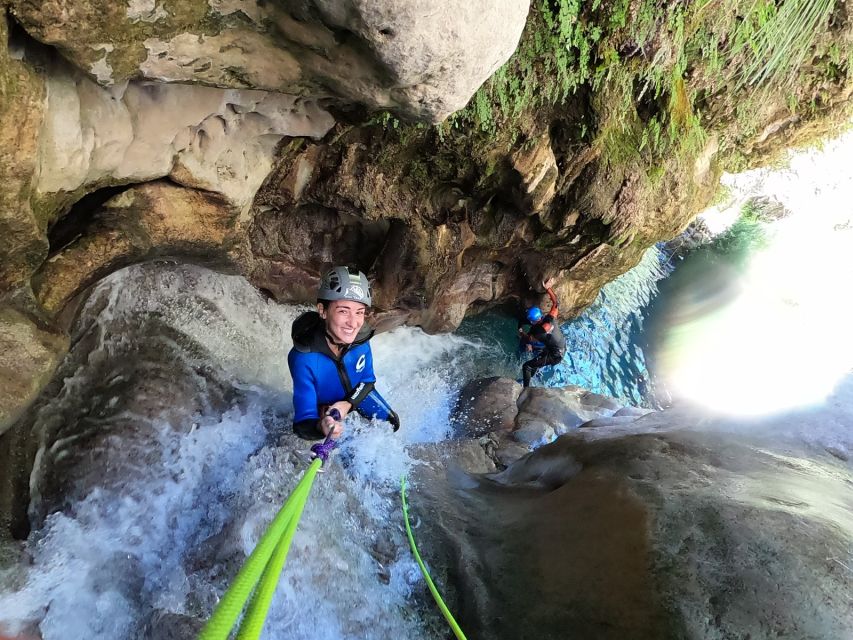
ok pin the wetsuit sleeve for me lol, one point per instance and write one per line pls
(370, 403)
(359, 393)
(364, 386)
(554, 306)
(305, 409)
(375, 406)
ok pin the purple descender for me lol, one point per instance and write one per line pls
(323, 449)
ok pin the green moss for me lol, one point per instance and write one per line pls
(658, 56)
(645, 82)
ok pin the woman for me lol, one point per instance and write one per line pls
(331, 362)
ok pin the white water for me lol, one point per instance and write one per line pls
(99, 571)
(783, 341)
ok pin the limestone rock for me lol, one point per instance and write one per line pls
(636, 412)
(483, 282)
(683, 534)
(156, 219)
(563, 409)
(534, 433)
(487, 404)
(463, 455)
(510, 451)
(166, 625)
(612, 421)
(424, 58)
(202, 137)
(767, 208)
(28, 357)
(537, 167)
(22, 242)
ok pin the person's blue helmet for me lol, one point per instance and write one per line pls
(534, 315)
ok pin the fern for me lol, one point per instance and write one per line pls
(782, 39)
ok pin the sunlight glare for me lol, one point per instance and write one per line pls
(784, 339)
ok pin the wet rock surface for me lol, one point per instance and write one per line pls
(28, 356)
(659, 528)
(544, 413)
(644, 524)
(486, 405)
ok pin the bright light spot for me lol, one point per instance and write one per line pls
(720, 218)
(784, 340)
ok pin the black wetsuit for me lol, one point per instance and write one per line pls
(548, 333)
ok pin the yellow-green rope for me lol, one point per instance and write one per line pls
(435, 594)
(256, 614)
(275, 541)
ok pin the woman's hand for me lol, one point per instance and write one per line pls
(330, 426)
(343, 408)
(548, 283)
(335, 426)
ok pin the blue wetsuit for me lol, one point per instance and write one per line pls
(321, 379)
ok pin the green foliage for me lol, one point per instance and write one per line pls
(775, 40)
(629, 73)
(558, 53)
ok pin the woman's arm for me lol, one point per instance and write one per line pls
(554, 305)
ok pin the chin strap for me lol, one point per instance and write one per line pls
(343, 346)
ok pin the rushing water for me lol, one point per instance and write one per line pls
(166, 450)
(178, 390)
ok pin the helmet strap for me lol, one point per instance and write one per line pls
(343, 346)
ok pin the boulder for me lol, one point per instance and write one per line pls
(424, 58)
(534, 433)
(29, 355)
(562, 409)
(510, 452)
(677, 534)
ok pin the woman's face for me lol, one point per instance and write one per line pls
(344, 319)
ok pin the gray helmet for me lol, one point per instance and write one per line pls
(343, 283)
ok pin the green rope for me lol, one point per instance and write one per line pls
(256, 614)
(275, 540)
(436, 596)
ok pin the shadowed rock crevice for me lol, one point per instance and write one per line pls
(153, 220)
(80, 218)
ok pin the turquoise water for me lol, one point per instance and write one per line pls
(603, 345)
(611, 348)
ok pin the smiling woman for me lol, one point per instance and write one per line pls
(344, 320)
(331, 361)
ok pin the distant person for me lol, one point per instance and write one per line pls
(331, 363)
(544, 332)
